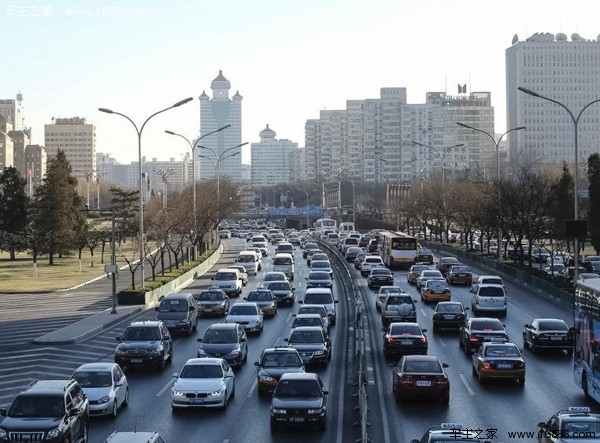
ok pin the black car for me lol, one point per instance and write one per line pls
(299, 399)
(145, 343)
(265, 299)
(404, 338)
(364, 241)
(445, 263)
(212, 302)
(311, 343)
(548, 333)
(283, 292)
(227, 341)
(53, 411)
(272, 364)
(479, 330)
(309, 247)
(319, 279)
(380, 277)
(449, 315)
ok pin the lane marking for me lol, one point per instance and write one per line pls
(165, 387)
(423, 312)
(441, 341)
(252, 388)
(466, 383)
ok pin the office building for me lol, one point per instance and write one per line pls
(216, 112)
(20, 141)
(272, 160)
(13, 110)
(77, 139)
(35, 162)
(6, 142)
(563, 69)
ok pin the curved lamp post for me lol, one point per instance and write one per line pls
(575, 120)
(141, 180)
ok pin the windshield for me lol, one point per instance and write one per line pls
(311, 246)
(319, 256)
(318, 299)
(298, 388)
(38, 406)
(282, 261)
(242, 310)
(279, 286)
(552, 325)
(431, 366)
(380, 271)
(201, 371)
(93, 379)
(399, 299)
(275, 276)
(313, 310)
(351, 241)
(581, 426)
(418, 269)
(431, 274)
(173, 306)
(278, 360)
(404, 244)
(437, 284)
(210, 296)
(306, 337)
(246, 258)
(320, 265)
(502, 351)
(141, 334)
(307, 321)
(226, 276)
(217, 336)
(260, 296)
(319, 276)
(491, 281)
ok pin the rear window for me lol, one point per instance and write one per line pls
(226, 276)
(279, 286)
(491, 291)
(319, 276)
(351, 241)
(481, 325)
(431, 274)
(552, 325)
(422, 366)
(313, 310)
(437, 284)
(373, 260)
(319, 298)
(210, 296)
(399, 299)
(282, 261)
(491, 281)
(246, 258)
(380, 271)
(448, 308)
(405, 329)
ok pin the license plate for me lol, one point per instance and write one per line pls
(504, 366)
(297, 419)
(136, 360)
(449, 317)
(423, 383)
(197, 401)
(406, 342)
(556, 338)
(208, 309)
(497, 339)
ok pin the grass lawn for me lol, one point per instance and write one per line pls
(20, 275)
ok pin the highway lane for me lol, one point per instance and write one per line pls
(500, 406)
(247, 416)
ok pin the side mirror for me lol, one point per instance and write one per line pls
(325, 392)
(199, 339)
(3, 412)
(541, 424)
(466, 309)
(445, 365)
(256, 363)
(119, 338)
(301, 301)
(286, 339)
(336, 301)
(212, 278)
(245, 298)
(73, 412)
(242, 339)
(415, 300)
(156, 308)
(424, 330)
(293, 289)
(175, 374)
(527, 325)
(191, 308)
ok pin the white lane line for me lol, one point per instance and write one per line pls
(441, 342)
(423, 312)
(167, 386)
(226, 440)
(252, 388)
(466, 383)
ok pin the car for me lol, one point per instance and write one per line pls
(224, 234)
(276, 238)
(319, 279)
(539, 254)
(401, 338)
(449, 315)
(228, 280)
(322, 296)
(359, 259)
(555, 269)
(284, 247)
(294, 239)
(284, 262)
(380, 277)
(265, 299)
(569, 272)
(459, 275)
(319, 256)
(591, 263)
(435, 291)
(498, 361)
(315, 309)
(179, 312)
(347, 243)
(448, 432)
(383, 293)
(351, 253)
(212, 302)
(260, 243)
(575, 421)
(282, 290)
(398, 307)
(425, 255)
(299, 399)
(415, 271)
(311, 252)
(105, 385)
(486, 280)
(373, 246)
(311, 343)
(243, 273)
(251, 260)
(548, 333)
(144, 343)
(428, 274)
(311, 320)
(224, 340)
(134, 437)
(370, 262)
(479, 330)
(249, 315)
(489, 298)
(445, 263)
(364, 240)
(321, 265)
(421, 376)
(587, 276)
(272, 364)
(275, 276)
(308, 246)
(203, 383)
(56, 411)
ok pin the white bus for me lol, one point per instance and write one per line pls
(586, 358)
(325, 225)
(398, 250)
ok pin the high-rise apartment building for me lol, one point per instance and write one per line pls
(6, 142)
(272, 160)
(35, 164)
(13, 109)
(562, 69)
(20, 141)
(77, 139)
(216, 112)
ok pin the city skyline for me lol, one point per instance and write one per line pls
(290, 61)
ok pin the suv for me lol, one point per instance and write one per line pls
(370, 262)
(179, 312)
(49, 411)
(489, 298)
(398, 307)
(145, 343)
(229, 280)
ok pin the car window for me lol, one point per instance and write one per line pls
(491, 281)
(422, 366)
(320, 298)
(37, 406)
(141, 334)
(491, 291)
(482, 325)
(93, 379)
(437, 284)
(278, 360)
(405, 330)
(259, 296)
(279, 286)
(282, 261)
(219, 336)
(501, 351)
(552, 325)
(399, 299)
(298, 388)
(448, 308)
(173, 306)
(307, 321)
(313, 310)
(306, 337)
(319, 276)
(201, 371)
(242, 310)
(221, 276)
(210, 296)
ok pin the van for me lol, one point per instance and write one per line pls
(489, 298)
(284, 262)
(229, 281)
(178, 312)
(248, 260)
(322, 296)
(332, 239)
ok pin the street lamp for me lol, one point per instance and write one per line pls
(497, 145)
(141, 180)
(218, 163)
(576, 128)
(307, 203)
(193, 149)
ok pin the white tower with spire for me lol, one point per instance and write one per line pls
(216, 112)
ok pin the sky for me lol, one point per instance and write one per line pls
(289, 59)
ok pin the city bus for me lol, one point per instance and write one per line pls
(586, 358)
(325, 225)
(398, 250)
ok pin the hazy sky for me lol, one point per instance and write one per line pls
(288, 58)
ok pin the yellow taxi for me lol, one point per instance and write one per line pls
(435, 291)
(499, 361)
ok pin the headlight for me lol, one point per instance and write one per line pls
(154, 351)
(262, 377)
(217, 393)
(235, 351)
(316, 411)
(104, 399)
(53, 433)
(177, 393)
(279, 411)
(319, 352)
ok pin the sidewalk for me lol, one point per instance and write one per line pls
(96, 323)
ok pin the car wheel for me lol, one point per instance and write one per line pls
(274, 426)
(445, 399)
(525, 344)
(521, 381)
(126, 399)
(473, 370)
(533, 347)
(113, 412)
(86, 433)
(232, 395)
(225, 401)
(196, 325)
(322, 424)
(460, 343)
(480, 378)
(435, 329)
(584, 386)
(569, 351)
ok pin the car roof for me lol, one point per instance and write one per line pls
(282, 349)
(132, 437)
(97, 366)
(318, 290)
(176, 295)
(205, 361)
(247, 303)
(490, 276)
(47, 386)
(145, 324)
(491, 285)
(299, 376)
(222, 326)
(311, 315)
(420, 358)
(307, 328)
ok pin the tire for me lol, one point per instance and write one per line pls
(521, 381)
(584, 386)
(225, 402)
(569, 352)
(322, 424)
(86, 433)
(473, 371)
(115, 409)
(162, 364)
(525, 344)
(445, 399)
(480, 378)
(274, 426)
(435, 329)
(533, 347)
(196, 325)
(126, 399)
(170, 359)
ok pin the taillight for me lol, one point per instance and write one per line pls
(473, 339)
(406, 379)
(423, 340)
(440, 380)
(487, 366)
(519, 365)
(390, 340)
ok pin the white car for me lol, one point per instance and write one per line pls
(370, 262)
(249, 315)
(243, 273)
(105, 385)
(203, 383)
(486, 280)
